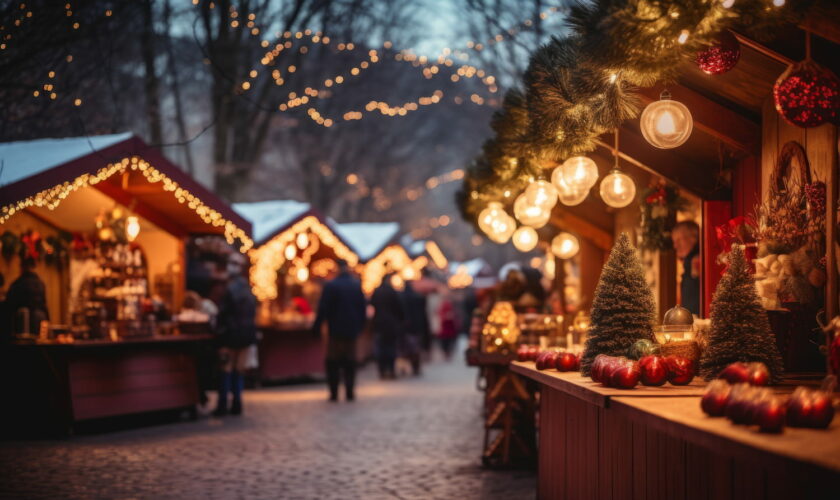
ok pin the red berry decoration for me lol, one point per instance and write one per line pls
(522, 353)
(681, 370)
(769, 414)
(625, 375)
(736, 373)
(807, 95)
(715, 398)
(654, 370)
(597, 368)
(720, 57)
(759, 375)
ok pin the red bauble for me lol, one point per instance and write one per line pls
(597, 368)
(741, 404)
(770, 415)
(822, 411)
(565, 362)
(681, 370)
(736, 373)
(625, 376)
(720, 57)
(546, 360)
(807, 95)
(533, 353)
(654, 370)
(715, 398)
(522, 353)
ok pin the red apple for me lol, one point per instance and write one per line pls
(735, 373)
(597, 367)
(546, 360)
(610, 365)
(739, 408)
(715, 398)
(522, 353)
(654, 370)
(769, 414)
(681, 370)
(625, 376)
(758, 374)
(566, 362)
(533, 353)
(799, 408)
(822, 411)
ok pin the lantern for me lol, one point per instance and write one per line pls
(132, 227)
(525, 239)
(531, 215)
(666, 123)
(580, 173)
(488, 215)
(618, 189)
(565, 246)
(502, 229)
(568, 195)
(541, 193)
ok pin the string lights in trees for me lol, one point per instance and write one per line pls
(580, 173)
(666, 123)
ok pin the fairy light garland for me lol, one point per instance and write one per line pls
(393, 259)
(51, 198)
(267, 259)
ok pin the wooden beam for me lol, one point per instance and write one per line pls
(821, 20)
(711, 118)
(672, 167)
(562, 219)
(766, 51)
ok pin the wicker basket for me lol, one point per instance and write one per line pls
(686, 348)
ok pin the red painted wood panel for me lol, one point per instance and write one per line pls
(124, 403)
(715, 213)
(290, 354)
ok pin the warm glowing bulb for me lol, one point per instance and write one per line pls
(302, 240)
(683, 37)
(665, 123)
(565, 246)
(541, 193)
(617, 189)
(302, 274)
(728, 3)
(580, 173)
(525, 239)
(132, 227)
(567, 195)
(530, 215)
(290, 252)
(778, 3)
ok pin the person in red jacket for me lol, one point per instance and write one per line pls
(448, 327)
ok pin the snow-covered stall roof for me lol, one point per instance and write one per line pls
(367, 239)
(23, 159)
(269, 217)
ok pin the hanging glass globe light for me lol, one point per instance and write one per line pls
(580, 173)
(618, 189)
(565, 193)
(525, 239)
(565, 246)
(488, 215)
(666, 123)
(541, 193)
(530, 215)
(502, 228)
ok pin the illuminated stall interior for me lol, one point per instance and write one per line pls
(105, 219)
(295, 251)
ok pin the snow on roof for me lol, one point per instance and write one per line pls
(268, 217)
(473, 266)
(417, 248)
(24, 159)
(367, 239)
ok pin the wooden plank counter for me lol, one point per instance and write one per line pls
(290, 352)
(53, 385)
(654, 442)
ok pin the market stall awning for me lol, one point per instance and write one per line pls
(39, 175)
(367, 239)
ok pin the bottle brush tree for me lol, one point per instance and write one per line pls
(740, 329)
(622, 308)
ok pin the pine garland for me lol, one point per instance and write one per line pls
(622, 308)
(740, 328)
(582, 85)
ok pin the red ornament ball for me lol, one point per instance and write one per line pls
(808, 95)
(722, 56)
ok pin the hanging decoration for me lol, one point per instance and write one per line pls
(535, 216)
(525, 239)
(565, 246)
(660, 204)
(565, 193)
(721, 56)
(580, 173)
(807, 95)
(617, 189)
(52, 250)
(496, 223)
(666, 123)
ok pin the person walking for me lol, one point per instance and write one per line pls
(418, 326)
(388, 325)
(448, 333)
(236, 333)
(342, 305)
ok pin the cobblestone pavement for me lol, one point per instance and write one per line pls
(410, 438)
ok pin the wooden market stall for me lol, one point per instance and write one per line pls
(295, 252)
(104, 220)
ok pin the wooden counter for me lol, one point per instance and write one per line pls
(50, 386)
(654, 442)
(289, 353)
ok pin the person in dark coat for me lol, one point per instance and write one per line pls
(388, 326)
(417, 325)
(342, 306)
(237, 331)
(26, 292)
